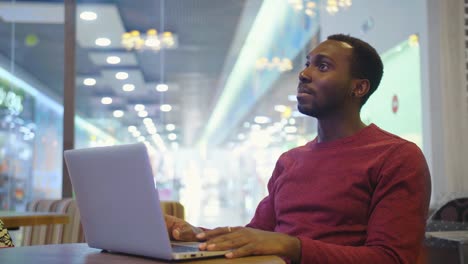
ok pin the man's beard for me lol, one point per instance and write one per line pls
(307, 111)
(319, 111)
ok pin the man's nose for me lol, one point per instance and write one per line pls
(303, 77)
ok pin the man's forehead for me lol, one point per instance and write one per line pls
(332, 47)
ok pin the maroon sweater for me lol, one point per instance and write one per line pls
(361, 199)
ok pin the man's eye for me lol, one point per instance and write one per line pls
(323, 66)
(307, 64)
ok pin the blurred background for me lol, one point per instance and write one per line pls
(208, 85)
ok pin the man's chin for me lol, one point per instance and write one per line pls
(307, 111)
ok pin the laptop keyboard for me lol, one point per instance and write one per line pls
(180, 249)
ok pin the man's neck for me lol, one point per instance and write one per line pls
(338, 127)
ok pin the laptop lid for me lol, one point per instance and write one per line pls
(119, 204)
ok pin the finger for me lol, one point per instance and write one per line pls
(216, 232)
(224, 241)
(228, 244)
(171, 220)
(204, 246)
(184, 233)
(247, 250)
(226, 237)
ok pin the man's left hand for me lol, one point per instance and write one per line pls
(244, 241)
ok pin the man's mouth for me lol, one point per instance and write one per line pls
(301, 90)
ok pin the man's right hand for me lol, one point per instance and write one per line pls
(180, 230)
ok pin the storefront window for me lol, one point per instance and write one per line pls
(31, 90)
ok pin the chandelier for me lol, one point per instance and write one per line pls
(152, 40)
(333, 6)
(275, 63)
(309, 6)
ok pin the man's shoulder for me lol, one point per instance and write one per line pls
(386, 137)
(395, 145)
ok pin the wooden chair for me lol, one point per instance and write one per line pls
(73, 231)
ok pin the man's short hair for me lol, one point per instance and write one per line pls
(365, 62)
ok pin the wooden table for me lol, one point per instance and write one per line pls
(14, 220)
(82, 254)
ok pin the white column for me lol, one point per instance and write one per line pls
(445, 97)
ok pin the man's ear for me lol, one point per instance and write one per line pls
(360, 88)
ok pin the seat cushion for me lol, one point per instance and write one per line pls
(5, 239)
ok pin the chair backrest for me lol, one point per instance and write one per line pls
(173, 208)
(73, 231)
(453, 211)
(38, 235)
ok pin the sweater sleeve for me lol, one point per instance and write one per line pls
(397, 216)
(265, 217)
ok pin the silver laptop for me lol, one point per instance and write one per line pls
(119, 204)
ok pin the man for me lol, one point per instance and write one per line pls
(355, 194)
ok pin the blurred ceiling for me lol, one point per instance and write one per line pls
(210, 34)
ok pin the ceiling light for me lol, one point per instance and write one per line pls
(172, 136)
(292, 121)
(139, 107)
(273, 129)
(136, 133)
(333, 6)
(103, 42)
(241, 136)
(292, 98)
(128, 87)
(141, 138)
(150, 126)
(310, 6)
(170, 127)
(413, 40)
(106, 100)
(256, 127)
(118, 113)
(89, 81)
(280, 108)
(262, 119)
(165, 108)
(278, 125)
(143, 113)
(132, 128)
(148, 121)
(121, 75)
(162, 87)
(290, 129)
(88, 15)
(151, 130)
(113, 60)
